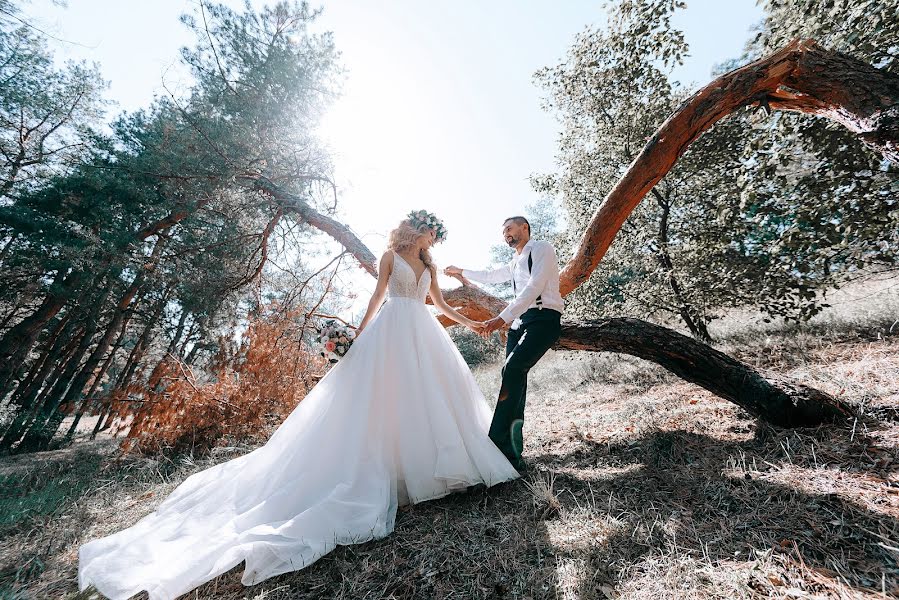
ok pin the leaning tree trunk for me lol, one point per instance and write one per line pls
(802, 77)
(30, 400)
(41, 435)
(17, 343)
(87, 402)
(47, 404)
(45, 362)
(776, 401)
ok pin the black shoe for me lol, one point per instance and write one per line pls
(520, 466)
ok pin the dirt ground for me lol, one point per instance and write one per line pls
(640, 486)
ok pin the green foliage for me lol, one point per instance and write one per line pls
(155, 235)
(866, 29)
(830, 206)
(47, 114)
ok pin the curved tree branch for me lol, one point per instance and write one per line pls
(801, 77)
(337, 230)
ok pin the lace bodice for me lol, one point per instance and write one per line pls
(402, 282)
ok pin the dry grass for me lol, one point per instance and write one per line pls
(641, 486)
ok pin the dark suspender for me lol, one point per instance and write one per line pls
(539, 300)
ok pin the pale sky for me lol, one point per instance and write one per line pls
(439, 110)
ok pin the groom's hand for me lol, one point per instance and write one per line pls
(494, 324)
(452, 271)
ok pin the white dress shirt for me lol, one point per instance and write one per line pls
(542, 281)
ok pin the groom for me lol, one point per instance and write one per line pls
(534, 316)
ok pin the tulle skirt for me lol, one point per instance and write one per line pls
(399, 419)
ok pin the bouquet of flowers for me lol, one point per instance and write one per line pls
(335, 339)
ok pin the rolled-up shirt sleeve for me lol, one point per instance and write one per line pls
(544, 264)
(498, 275)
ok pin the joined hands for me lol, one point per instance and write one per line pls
(482, 328)
(485, 328)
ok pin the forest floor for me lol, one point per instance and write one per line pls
(640, 486)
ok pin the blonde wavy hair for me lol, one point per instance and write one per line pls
(405, 236)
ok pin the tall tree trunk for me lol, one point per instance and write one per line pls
(36, 436)
(55, 341)
(45, 428)
(140, 346)
(690, 316)
(130, 368)
(179, 331)
(41, 436)
(195, 328)
(49, 398)
(85, 403)
(170, 351)
(101, 419)
(19, 340)
(57, 377)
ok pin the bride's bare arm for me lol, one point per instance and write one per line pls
(377, 298)
(442, 306)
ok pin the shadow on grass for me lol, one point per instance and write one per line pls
(717, 497)
(484, 544)
(688, 490)
(487, 544)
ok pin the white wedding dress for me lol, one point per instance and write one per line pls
(399, 419)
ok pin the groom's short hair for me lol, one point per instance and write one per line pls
(519, 221)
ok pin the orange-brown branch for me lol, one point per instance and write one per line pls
(801, 77)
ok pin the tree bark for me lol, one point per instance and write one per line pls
(37, 396)
(776, 401)
(28, 400)
(40, 438)
(50, 399)
(58, 336)
(86, 403)
(18, 341)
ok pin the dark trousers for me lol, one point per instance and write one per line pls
(539, 330)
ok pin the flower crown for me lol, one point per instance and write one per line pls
(423, 217)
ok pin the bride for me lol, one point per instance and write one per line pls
(398, 420)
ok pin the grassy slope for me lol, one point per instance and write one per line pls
(642, 487)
